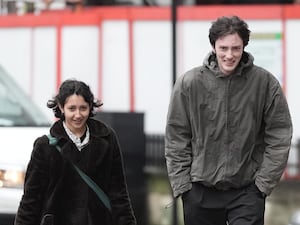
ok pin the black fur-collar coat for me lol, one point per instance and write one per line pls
(53, 187)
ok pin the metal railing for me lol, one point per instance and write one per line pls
(155, 155)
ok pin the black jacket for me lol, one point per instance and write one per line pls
(52, 186)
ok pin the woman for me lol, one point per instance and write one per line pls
(54, 192)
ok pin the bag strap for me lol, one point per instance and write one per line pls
(99, 192)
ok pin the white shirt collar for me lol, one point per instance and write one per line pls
(76, 140)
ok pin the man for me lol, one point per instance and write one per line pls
(228, 133)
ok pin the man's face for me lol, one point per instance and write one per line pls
(229, 50)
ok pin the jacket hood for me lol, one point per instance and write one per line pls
(211, 63)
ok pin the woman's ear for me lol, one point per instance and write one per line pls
(61, 108)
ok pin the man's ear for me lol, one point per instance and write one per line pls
(213, 49)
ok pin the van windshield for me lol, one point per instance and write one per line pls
(16, 108)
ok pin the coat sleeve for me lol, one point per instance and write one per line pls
(178, 140)
(278, 135)
(118, 193)
(36, 179)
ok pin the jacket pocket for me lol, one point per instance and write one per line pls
(47, 219)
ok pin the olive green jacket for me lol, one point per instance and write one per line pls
(227, 131)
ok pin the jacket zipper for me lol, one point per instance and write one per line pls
(227, 101)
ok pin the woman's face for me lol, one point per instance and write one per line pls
(229, 50)
(76, 111)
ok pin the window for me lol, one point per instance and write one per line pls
(17, 109)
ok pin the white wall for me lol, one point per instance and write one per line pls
(115, 67)
(152, 51)
(80, 57)
(44, 67)
(293, 73)
(15, 54)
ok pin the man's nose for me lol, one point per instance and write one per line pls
(229, 53)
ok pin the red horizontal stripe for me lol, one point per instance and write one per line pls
(292, 11)
(244, 11)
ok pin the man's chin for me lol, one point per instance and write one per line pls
(229, 70)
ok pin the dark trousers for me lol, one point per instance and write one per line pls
(208, 206)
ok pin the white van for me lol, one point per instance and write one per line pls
(21, 122)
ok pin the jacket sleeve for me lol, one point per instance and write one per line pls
(178, 140)
(278, 135)
(30, 207)
(118, 193)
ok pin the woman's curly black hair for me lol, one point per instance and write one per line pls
(68, 88)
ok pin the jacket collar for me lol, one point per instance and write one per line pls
(97, 129)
